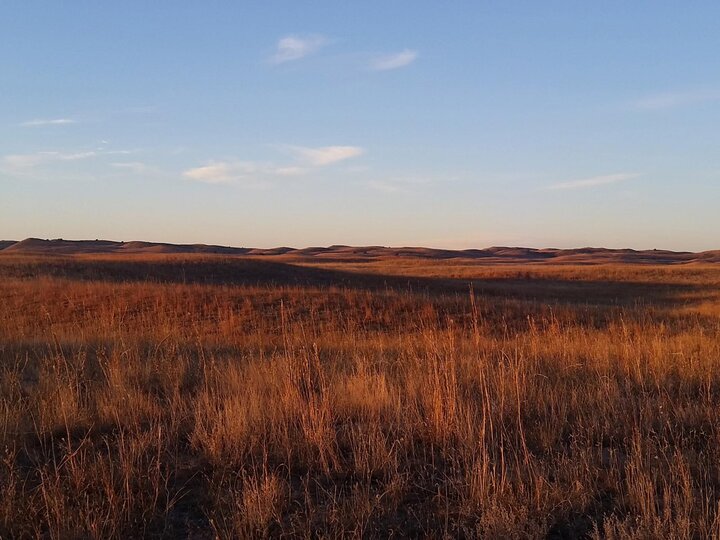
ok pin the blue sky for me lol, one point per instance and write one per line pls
(462, 124)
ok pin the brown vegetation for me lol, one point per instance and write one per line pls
(211, 396)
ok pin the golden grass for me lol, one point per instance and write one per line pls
(139, 399)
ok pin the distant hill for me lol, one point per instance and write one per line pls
(78, 247)
(492, 255)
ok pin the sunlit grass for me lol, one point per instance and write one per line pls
(483, 401)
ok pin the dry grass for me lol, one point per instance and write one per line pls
(209, 397)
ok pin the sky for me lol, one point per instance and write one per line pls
(441, 124)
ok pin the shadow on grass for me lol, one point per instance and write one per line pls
(254, 272)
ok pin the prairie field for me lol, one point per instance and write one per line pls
(182, 396)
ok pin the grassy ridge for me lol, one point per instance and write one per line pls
(207, 396)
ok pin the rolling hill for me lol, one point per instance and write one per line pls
(492, 255)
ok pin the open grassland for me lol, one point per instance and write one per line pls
(210, 396)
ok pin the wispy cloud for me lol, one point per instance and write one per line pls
(254, 173)
(295, 47)
(385, 187)
(48, 122)
(670, 100)
(26, 161)
(326, 155)
(394, 61)
(594, 181)
(290, 171)
(135, 167)
(246, 173)
(222, 172)
(396, 184)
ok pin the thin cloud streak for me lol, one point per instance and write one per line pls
(385, 187)
(395, 184)
(326, 155)
(394, 61)
(290, 48)
(245, 173)
(671, 100)
(253, 173)
(223, 172)
(135, 167)
(25, 162)
(593, 182)
(48, 122)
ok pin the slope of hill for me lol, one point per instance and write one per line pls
(59, 246)
(342, 253)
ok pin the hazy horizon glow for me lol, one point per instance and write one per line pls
(403, 123)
